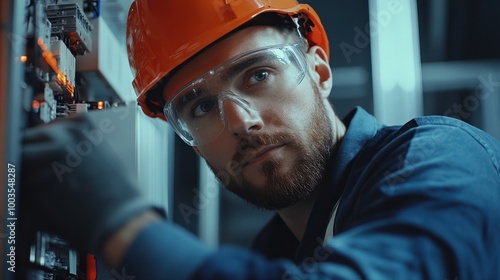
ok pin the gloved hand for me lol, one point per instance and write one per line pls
(73, 185)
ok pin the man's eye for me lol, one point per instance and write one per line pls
(203, 107)
(259, 76)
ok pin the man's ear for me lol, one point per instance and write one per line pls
(320, 71)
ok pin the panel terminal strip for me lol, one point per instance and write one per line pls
(70, 20)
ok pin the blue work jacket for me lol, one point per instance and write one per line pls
(418, 201)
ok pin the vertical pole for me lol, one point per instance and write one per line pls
(396, 64)
(208, 205)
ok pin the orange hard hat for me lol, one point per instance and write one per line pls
(161, 35)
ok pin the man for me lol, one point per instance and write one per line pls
(246, 83)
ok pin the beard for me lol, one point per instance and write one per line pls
(283, 189)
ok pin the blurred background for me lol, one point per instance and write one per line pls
(396, 59)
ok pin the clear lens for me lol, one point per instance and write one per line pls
(256, 80)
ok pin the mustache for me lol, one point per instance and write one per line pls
(255, 142)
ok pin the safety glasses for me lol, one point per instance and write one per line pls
(255, 80)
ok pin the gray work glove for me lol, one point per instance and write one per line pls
(81, 200)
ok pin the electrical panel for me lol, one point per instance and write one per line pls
(56, 33)
(60, 58)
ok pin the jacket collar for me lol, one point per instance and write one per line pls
(361, 127)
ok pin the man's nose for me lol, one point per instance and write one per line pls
(240, 118)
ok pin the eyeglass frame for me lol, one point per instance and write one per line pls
(299, 56)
